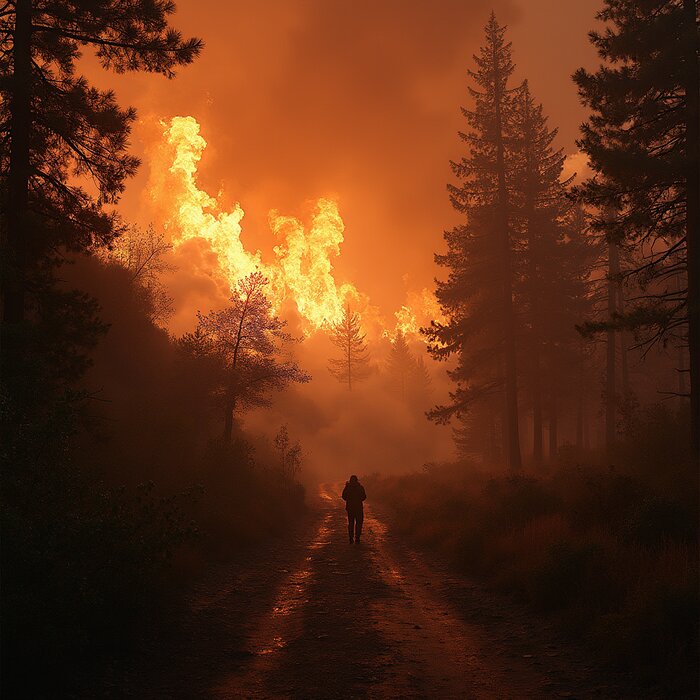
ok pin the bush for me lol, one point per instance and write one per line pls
(611, 550)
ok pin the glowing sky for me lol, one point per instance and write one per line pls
(357, 101)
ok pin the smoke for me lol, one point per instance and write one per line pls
(369, 429)
(363, 430)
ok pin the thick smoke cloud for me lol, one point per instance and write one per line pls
(358, 102)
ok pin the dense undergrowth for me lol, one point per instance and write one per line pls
(117, 492)
(607, 546)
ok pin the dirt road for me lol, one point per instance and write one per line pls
(320, 618)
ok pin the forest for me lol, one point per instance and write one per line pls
(179, 408)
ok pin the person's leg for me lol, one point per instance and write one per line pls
(359, 518)
(351, 525)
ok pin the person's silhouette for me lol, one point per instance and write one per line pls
(353, 495)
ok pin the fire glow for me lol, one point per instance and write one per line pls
(302, 270)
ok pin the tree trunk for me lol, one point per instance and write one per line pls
(537, 419)
(553, 430)
(581, 405)
(624, 366)
(692, 236)
(610, 382)
(508, 319)
(533, 273)
(228, 422)
(14, 238)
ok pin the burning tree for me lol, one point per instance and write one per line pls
(353, 365)
(247, 338)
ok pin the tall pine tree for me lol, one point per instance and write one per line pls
(643, 139)
(59, 132)
(353, 364)
(477, 298)
(552, 266)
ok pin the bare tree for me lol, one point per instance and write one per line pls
(248, 338)
(290, 454)
(353, 365)
(143, 253)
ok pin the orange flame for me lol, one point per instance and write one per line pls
(420, 308)
(303, 268)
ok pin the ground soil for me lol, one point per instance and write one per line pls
(311, 616)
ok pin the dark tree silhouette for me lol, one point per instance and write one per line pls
(401, 366)
(353, 364)
(247, 338)
(408, 374)
(642, 141)
(58, 131)
(290, 454)
(478, 296)
(553, 263)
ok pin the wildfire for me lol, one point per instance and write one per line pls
(302, 270)
(420, 308)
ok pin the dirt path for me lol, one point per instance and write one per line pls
(320, 618)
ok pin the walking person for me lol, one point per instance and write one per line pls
(354, 495)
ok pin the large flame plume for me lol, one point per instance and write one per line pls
(302, 270)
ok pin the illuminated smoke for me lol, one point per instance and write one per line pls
(303, 267)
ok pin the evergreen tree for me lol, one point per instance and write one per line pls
(643, 139)
(353, 364)
(477, 298)
(408, 375)
(553, 265)
(423, 384)
(58, 132)
(401, 366)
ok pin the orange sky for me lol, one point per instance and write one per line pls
(300, 99)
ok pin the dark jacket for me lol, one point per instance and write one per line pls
(353, 495)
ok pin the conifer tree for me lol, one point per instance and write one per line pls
(423, 385)
(401, 366)
(58, 132)
(642, 139)
(408, 375)
(353, 364)
(553, 264)
(477, 298)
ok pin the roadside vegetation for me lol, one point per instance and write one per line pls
(606, 546)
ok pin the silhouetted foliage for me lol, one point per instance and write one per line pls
(518, 266)
(80, 549)
(143, 253)
(290, 454)
(408, 375)
(642, 139)
(353, 365)
(246, 338)
(58, 131)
